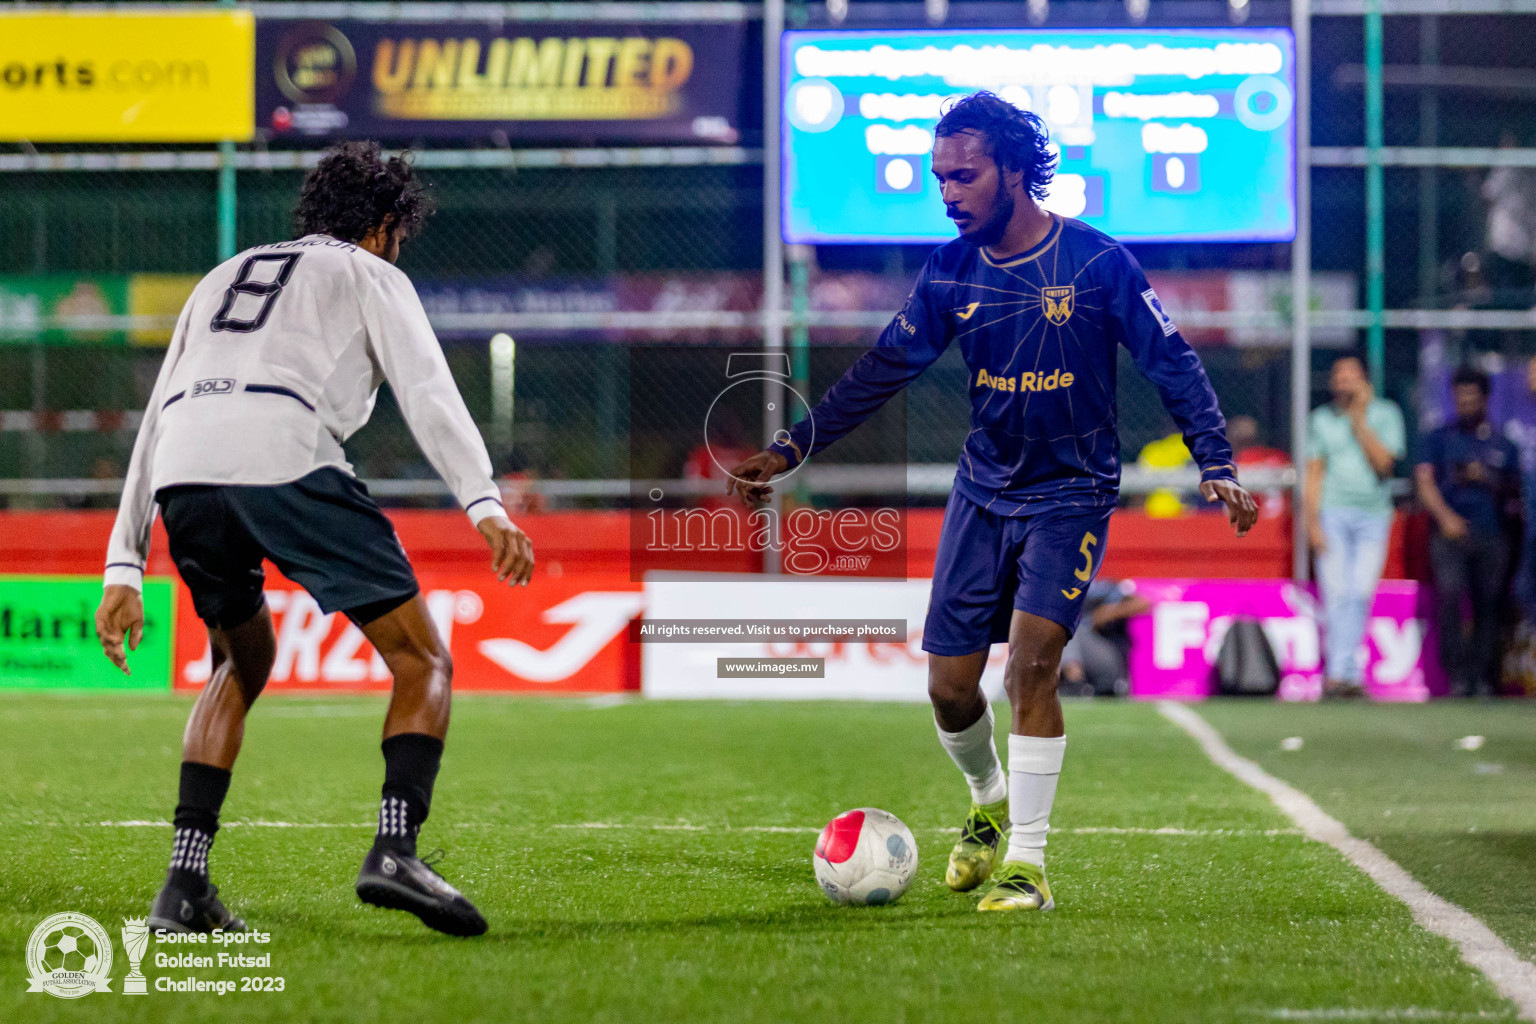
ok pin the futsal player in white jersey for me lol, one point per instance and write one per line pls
(275, 362)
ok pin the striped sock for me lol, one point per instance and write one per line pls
(411, 761)
(394, 818)
(189, 852)
(202, 791)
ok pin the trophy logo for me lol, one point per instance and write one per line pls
(135, 939)
(69, 956)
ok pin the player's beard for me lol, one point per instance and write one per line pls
(991, 232)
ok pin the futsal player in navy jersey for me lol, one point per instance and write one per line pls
(1038, 304)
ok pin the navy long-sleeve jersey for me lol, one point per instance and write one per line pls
(1039, 333)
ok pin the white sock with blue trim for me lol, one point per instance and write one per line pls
(974, 752)
(1034, 765)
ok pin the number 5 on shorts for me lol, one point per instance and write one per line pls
(1086, 572)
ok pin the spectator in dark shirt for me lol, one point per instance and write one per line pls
(1468, 478)
(1094, 660)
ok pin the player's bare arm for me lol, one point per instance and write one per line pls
(750, 478)
(511, 550)
(120, 619)
(1242, 510)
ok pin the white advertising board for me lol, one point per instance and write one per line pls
(853, 671)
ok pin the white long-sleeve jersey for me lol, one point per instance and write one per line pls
(276, 360)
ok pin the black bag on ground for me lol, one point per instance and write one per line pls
(1246, 665)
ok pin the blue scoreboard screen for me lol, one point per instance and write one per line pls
(1162, 135)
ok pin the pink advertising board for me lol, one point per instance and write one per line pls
(1173, 648)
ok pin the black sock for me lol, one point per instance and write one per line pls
(203, 788)
(411, 761)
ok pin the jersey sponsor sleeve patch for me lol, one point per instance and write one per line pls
(1156, 306)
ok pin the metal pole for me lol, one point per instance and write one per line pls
(503, 393)
(1301, 271)
(1375, 227)
(1429, 177)
(226, 200)
(226, 190)
(799, 334)
(773, 253)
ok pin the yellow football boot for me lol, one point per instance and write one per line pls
(1018, 887)
(970, 862)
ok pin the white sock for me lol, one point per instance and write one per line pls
(1034, 765)
(975, 754)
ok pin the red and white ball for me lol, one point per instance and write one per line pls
(865, 857)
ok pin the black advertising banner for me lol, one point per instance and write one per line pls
(553, 83)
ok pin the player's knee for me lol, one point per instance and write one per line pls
(432, 654)
(1029, 674)
(948, 693)
(430, 657)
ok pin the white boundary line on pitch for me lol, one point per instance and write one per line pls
(682, 826)
(1514, 978)
(1384, 1013)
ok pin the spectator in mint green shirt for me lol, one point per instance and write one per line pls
(1353, 443)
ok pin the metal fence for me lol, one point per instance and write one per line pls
(688, 220)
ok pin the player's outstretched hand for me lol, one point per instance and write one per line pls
(120, 616)
(1242, 512)
(759, 469)
(511, 550)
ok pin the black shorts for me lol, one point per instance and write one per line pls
(323, 531)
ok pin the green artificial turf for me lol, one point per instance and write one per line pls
(1463, 822)
(712, 917)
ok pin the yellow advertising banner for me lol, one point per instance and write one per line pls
(127, 76)
(160, 296)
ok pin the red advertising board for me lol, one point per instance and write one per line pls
(560, 634)
(564, 632)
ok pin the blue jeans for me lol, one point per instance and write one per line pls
(1348, 571)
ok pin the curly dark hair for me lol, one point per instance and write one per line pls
(354, 190)
(1016, 138)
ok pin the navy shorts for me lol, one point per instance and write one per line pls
(323, 531)
(990, 564)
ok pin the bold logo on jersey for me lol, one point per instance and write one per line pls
(1026, 381)
(967, 312)
(1156, 306)
(213, 386)
(1057, 301)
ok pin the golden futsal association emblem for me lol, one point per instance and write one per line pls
(1057, 301)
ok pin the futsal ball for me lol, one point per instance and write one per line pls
(865, 857)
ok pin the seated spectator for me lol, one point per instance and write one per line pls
(1166, 453)
(1248, 447)
(1094, 661)
(711, 461)
(1250, 452)
(104, 469)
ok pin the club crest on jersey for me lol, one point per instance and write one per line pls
(1057, 302)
